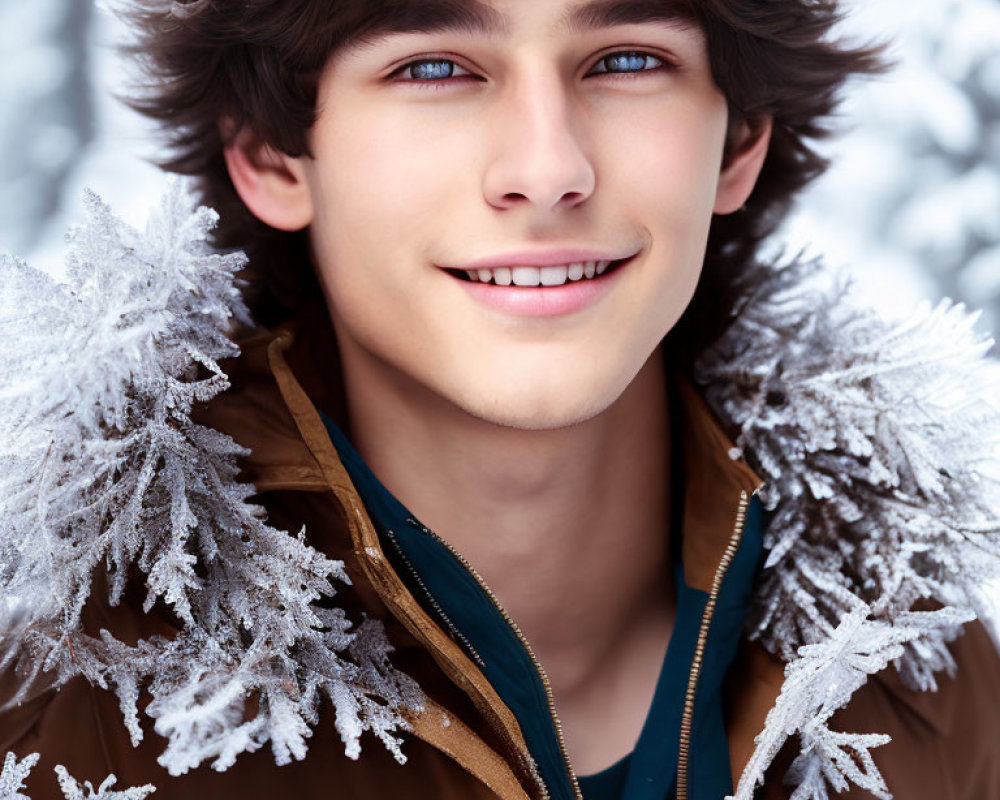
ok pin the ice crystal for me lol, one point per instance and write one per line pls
(835, 757)
(879, 444)
(73, 791)
(819, 681)
(102, 470)
(14, 774)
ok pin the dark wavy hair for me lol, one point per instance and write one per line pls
(258, 63)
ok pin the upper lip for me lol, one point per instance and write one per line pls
(544, 258)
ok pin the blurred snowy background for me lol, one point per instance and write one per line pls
(912, 205)
(61, 128)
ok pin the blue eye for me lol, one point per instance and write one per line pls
(440, 70)
(432, 69)
(627, 62)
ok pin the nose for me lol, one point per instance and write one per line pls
(537, 158)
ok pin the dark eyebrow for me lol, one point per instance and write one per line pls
(608, 13)
(473, 16)
(430, 16)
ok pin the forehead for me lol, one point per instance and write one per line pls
(496, 18)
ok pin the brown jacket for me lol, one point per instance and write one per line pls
(466, 743)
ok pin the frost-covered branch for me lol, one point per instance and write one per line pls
(879, 444)
(73, 791)
(15, 773)
(103, 470)
(821, 680)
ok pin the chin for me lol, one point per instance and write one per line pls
(529, 411)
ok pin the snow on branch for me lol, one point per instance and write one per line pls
(73, 791)
(820, 681)
(15, 773)
(102, 470)
(879, 444)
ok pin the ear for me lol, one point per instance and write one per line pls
(745, 156)
(272, 184)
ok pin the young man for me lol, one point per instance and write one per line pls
(490, 239)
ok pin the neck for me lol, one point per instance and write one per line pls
(568, 527)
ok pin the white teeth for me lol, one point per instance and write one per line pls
(538, 276)
(526, 276)
(554, 276)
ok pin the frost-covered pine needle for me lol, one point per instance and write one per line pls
(14, 774)
(103, 470)
(74, 791)
(879, 445)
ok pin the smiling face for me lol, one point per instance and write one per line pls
(529, 140)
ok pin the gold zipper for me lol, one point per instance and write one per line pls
(560, 738)
(435, 605)
(684, 750)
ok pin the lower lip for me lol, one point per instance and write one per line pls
(544, 301)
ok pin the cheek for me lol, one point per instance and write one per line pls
(367, 207)
(398, 162)
(669, 181)
(384, 190)
(673, 165)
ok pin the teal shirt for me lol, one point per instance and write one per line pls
(450, 593)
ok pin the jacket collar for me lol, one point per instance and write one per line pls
(285, 376)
